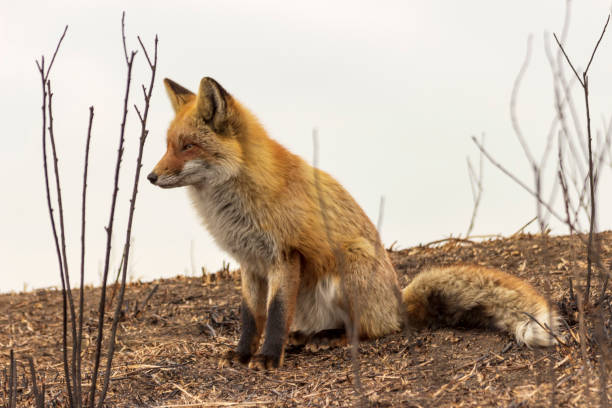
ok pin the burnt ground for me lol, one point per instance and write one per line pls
(167, 353)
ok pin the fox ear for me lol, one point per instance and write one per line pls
(212, 104)
(178, 95)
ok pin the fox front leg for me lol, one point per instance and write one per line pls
(252, 317)
(283, 284)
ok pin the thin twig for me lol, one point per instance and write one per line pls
(602, 341)
(453, 239)
(144, 49)
(513, 97)
(60, 209)
(546, 328)
(126, 251)
(351, 322)
(78, 389)
(561, 86)
(476, 186)
(143, 305)
(109, 227)
(381, 214)
(46, 75)
(66, 291)
(517, 181)
(597, 45)
(39, 396)
(568, 60)
(125, 53)
(217, 404)
(12, 386)
(47, 110)
(591, 188)
(520, 230)
(564, 188)
(583, 341)
(187, 393)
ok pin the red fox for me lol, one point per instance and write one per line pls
(312, 263)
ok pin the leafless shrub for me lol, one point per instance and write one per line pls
(73, 374)
(580, 161)
(581, 179)
(588, 204)
(592, 177)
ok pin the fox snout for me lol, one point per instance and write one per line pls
(152, 177)
(171, 172)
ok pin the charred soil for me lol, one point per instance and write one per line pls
(168, 348)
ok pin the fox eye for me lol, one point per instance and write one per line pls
(187, 146)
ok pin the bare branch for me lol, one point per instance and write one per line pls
(528, 223)
(126, 251)
(67, 288)
(12, 386)
(473, 178)
(591, 176)
(151, 65)
(351, 322)
(597, 46)
(78, 342)
(76, 399)
(515, 89)
(39, 395)
(551, 200)
(546, 329)
(381, 213)
(516, 180)
(562, 91)
(476, 185)
(55, 53)
(143, 305)
(568, 60)
(125, 53)
(47, 111)
(109, 232)
(41, 66)
(562, 181)
(138, 112)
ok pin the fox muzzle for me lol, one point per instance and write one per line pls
(152, 177)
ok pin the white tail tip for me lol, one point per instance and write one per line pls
(541, 332)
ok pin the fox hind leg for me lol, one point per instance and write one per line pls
(326, 339)
(370, 291)
(323, 340)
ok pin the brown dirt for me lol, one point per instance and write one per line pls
(167, 354)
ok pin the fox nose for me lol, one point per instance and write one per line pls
(152, 177)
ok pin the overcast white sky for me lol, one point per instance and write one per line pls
(396, 89)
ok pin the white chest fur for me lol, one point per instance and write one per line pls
(233, 225)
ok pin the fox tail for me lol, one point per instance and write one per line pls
(475, 296)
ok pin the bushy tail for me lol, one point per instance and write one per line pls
(475, 296)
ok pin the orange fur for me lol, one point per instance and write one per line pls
(311, 259)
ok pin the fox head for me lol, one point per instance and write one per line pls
(202, 140)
